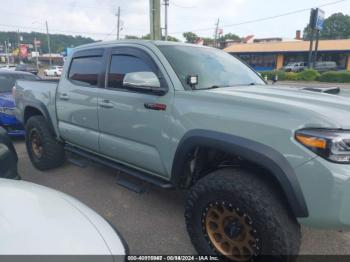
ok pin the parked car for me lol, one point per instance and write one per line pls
(53, 71)
(294, 67)
(325, 66)
(8, 157)
(27, 68)
(36, 220)
(7, 105)
(257, 160)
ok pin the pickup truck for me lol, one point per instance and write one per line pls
(256, 160)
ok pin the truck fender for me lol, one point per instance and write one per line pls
(39, 107)
(250, 150)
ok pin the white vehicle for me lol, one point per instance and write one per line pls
(53, 71)
(35, 220)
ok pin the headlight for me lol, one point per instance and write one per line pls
(333, 145)
(7, 111)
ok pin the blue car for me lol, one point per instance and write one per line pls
(7, 103)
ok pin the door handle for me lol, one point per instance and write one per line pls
(106, 104)
(64, 96)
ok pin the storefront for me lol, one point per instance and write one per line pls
(269, 56)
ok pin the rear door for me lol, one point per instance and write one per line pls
(134, 125)
(77, 97)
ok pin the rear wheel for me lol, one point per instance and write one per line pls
(44, 150)
(236, 215)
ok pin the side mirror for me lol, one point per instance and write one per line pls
(143, 82)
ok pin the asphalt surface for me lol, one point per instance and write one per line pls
(152, 223)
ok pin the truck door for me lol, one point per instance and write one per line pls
(77, 97)
(134, 124)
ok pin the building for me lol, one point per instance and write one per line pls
(274, 55)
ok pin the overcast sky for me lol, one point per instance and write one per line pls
(96, 18)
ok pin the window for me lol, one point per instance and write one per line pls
(85, 70)
(123, 64)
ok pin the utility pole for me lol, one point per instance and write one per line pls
(316, 48)
(36, 53)
(19, 43)
(48, 42)
(216, 33)
(7, 53)
(118, 23)
(166, 5)
(155, 19)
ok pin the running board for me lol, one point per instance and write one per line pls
(120, 167)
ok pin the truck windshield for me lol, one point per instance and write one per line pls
(214, 68)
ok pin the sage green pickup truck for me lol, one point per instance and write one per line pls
(257, 160)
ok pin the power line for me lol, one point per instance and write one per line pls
(264, 18)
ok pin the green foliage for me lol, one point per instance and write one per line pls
(58, 41)
(148, 37)
(190, 37)
(131, 37)
(337, 26)
(229, 36)
(335, 77)
(271, 74)
(306, 75)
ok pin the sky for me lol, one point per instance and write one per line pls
(97, 18)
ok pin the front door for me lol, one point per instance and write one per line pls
(134, 125)
(77, 99)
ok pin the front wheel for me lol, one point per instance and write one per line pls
(235, 214)
(44, 150)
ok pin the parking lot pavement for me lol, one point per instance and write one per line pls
(153, 222)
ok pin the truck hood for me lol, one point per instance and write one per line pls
(333, 108)
(6, 100)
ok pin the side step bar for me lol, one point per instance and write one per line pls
(120, 167)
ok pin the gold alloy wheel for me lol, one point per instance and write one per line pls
(37, 148)
(230, 232)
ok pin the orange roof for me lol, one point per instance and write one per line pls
(292, 46)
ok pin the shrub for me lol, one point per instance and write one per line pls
(335, 77)
(291, 76)
(308, 75)
(271, 74)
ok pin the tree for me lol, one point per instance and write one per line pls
(229, 36)
(337, 26)
(171, 38)
(190, 37)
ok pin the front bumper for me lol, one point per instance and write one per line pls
(326, 188)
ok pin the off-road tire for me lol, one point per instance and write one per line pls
(53, 154)
(277, 230)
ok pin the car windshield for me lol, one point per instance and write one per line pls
(214, 68)
(7, 81)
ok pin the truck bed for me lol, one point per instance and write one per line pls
(39, 94)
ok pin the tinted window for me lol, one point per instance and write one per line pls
(85, 70)
(123, 64)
